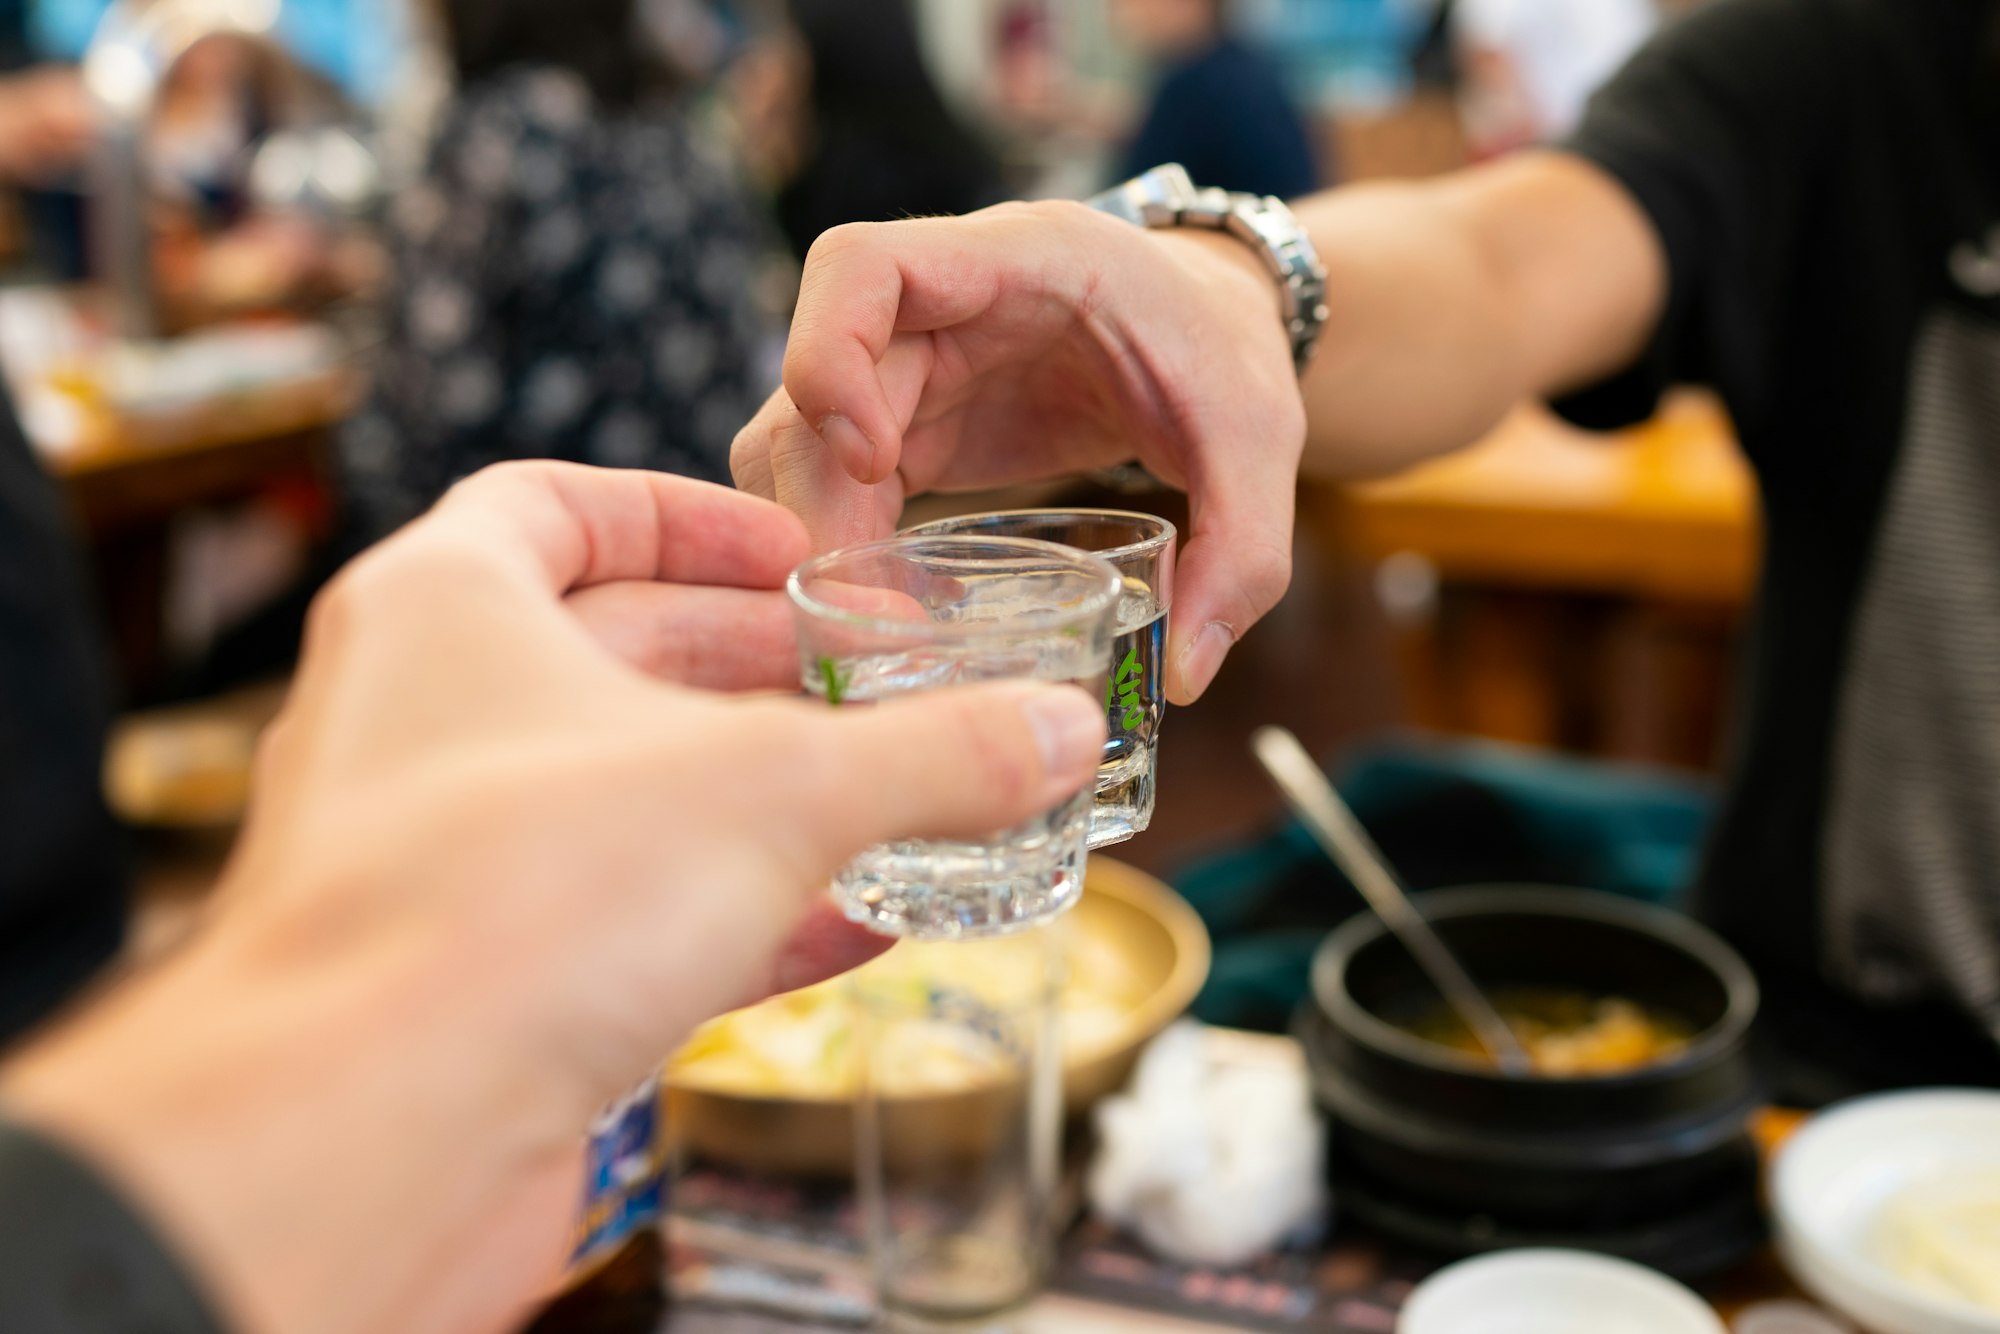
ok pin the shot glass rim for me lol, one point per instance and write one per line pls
(1099, 602)
(1167, 534)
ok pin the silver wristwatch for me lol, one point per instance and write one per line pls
(1166, 197)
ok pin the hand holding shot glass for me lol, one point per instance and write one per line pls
(1141, 548)
(914, 614)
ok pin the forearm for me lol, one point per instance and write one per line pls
(1452, 300)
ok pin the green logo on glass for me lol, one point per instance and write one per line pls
(1123, 690)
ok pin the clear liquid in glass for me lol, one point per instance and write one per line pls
(942, 889)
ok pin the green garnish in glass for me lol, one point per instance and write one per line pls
(835, 680)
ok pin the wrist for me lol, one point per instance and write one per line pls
(1223, 260)
(1228, 283)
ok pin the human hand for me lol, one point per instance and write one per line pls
(1033, 341)
(735, 637)
(492, 875)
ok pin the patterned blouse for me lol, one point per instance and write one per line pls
(571, 283)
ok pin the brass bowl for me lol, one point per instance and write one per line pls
(1156, 936)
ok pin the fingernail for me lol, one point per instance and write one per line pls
(1069, 728)
(847, 440)
(1202, 658)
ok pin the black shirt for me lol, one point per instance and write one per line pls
(62, 883)
(1825, 177)
(74, 1259)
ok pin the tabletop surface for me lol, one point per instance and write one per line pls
(236, 424)
(1666, 509)
(726, 1225)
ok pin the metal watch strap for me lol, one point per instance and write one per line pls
(1167, 197)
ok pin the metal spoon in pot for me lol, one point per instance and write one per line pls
(1333, 826)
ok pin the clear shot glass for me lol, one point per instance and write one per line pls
(913, 614)
(1141, 548)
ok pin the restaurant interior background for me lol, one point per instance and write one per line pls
(195, 306)
(201, 291)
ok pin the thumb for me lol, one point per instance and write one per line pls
(951, 763)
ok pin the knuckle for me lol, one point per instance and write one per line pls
(792, 441)
(807, 384)
(1093, 229)
(746, 451)
(419, 572)
(1051, 212)
(836, 242)
(800, 364)
(506, 475)
(1266, 572)
(275, 744)
(749, 444)
(332, 614)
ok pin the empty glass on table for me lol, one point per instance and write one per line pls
(912, 614)
(1141, 548)
(958, 1128)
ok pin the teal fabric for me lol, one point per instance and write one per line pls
(1447, 812)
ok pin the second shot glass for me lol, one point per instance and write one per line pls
(913, 614)
(1141, 548)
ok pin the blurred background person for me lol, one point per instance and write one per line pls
(340, 54)
(357, 44)
(879, 141)
(47, 124)
(1219, 108)
(219, 250)
(577, 274)
(1676, 238)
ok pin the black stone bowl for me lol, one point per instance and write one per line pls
(1439, 1150)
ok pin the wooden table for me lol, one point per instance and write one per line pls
(798, 1237)
(1667, 510)
(137, 472)
(1561, 588)
(129, 480)
(1760, 1280)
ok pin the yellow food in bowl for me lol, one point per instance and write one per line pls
(803, 1045)
(1568, 1034)
(771, 1089)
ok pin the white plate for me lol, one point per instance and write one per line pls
(1832, 1180)
(1553, 1292)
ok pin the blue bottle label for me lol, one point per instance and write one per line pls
(625, 1183)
